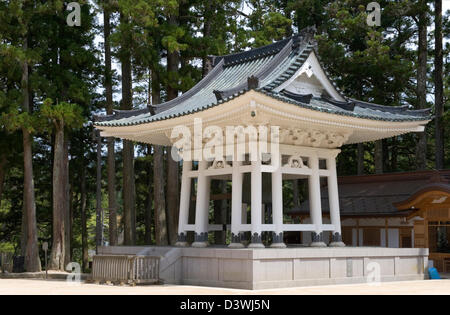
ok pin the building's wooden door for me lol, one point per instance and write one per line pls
(371, 236)
(347, 236)
(420, 234)
(405, 238)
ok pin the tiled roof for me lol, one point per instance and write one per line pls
(271, 65)
(375, 195)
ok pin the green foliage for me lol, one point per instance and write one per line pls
(62, 114)
(373, 64)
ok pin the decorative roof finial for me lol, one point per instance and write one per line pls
(252, 82)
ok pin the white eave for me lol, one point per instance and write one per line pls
(268, 111)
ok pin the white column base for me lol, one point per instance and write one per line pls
(318, 244)
(200, 244)
(337, 244)
(256, 245)
(236, 245)
(278, 245)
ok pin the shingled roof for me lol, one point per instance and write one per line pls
(264, 70)
(375, 195)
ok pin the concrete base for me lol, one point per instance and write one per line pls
(270, 268)
(337, 244)
(181, 244)
(200, 244)
(256, 245)
(236, 245)
(278, 245)
(318, 244)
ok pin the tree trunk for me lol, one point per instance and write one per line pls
(173, 200)
(394, 154)
(421, 149)
(84, 236)
(57, 259)
(98, 212)
(206, 62)
(360, 158)
(129, 211)
(173, 190)
(439, 86)
(32, 262)
(378, 157)
(71, 212)
(160, 202)
(129, 194)
(23, 233)
(111, 166)
(159, 196)
(67, 205)
(149, 201)
(3, 162)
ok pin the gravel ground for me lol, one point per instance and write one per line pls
(42, 287)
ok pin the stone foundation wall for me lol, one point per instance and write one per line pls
(280, 268)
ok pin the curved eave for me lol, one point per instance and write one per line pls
(420, 195)
(275, 111)
(407, 118)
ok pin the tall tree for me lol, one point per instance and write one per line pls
(83, 212)
(172, 165)
(3, 163)
(32, 262)
(98, 193)
(111, 164)
(378, 157)
(22, 15)
(438, 84)
(129, 197)
(161, 235)
(60, 117)
(422, 60)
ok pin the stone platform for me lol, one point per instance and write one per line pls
(270, 268)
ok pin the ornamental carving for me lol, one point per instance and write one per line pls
(295, 162)
(312, 138)
(219, 164)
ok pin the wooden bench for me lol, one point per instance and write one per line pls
(130, 269)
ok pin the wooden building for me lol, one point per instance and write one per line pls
(400, 210)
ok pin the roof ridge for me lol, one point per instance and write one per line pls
(262, 73)
(260, 52)
(293, 67)
(200, 85)
(271, 49)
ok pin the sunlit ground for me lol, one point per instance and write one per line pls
(42, 287)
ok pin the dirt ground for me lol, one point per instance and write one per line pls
(52, 287)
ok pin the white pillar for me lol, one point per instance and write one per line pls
(277, 203)
(333, 196)
(202, 207)
(184, 203)
(236, 205)
(256, 206)
(315, 202)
